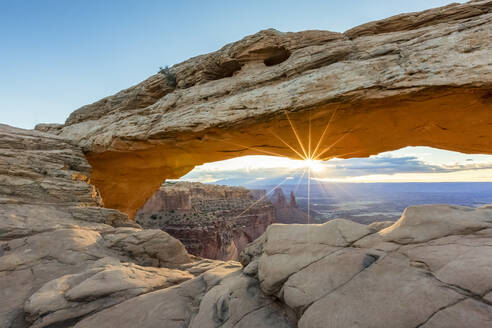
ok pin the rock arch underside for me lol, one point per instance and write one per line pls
(413, 79)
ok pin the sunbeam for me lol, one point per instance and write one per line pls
(309, 137)
(285, 143)
(320, 140)
(333, 144)
(297, 135)
(261, 198)
(310, 156)
(300, 180)
(309, 197)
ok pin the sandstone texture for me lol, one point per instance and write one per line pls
(62, 256)
(212, 221)
(414, 79)
(344, 274)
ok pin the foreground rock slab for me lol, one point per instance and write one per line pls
(342, 274)
(221, 297)
(338, 274)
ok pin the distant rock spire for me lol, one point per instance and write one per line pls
(293, 200)
(278, 198)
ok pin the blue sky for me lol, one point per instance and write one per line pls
(59, 55)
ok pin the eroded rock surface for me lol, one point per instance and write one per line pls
(222, 297)
(343, 274)
(308, 276)
(105, 283)
(62, 256)
(66, 262)
(212, 221)
(413, 79)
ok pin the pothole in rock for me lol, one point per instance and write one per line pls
(279, 55)
(222, 70)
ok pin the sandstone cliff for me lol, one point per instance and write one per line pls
(413, 79)
(212, 221)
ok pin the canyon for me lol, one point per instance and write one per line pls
(73, 255)
(216, 222)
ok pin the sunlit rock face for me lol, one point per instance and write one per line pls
(413, 79)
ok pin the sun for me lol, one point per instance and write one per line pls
(313, 165)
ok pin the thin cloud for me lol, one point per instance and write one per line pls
(381, 167)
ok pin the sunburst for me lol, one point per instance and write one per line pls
(304, 150)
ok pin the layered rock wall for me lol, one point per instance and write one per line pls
(167, 199)
(212, 221)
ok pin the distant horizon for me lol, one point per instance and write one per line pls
(367, 202)
(409, 164)
(304, 184)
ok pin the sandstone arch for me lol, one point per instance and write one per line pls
(414, 79)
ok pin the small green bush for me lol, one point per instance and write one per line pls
(170, 76)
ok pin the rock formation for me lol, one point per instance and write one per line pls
(66, 262)
(212, 221)
(287, 212)
(62, 256)
(429, 269)
(412, 79)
